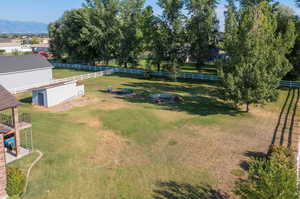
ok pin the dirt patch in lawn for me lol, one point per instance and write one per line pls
(113, 151)
(92, 122)
(112, 104)
(66, 106)
(108, 149)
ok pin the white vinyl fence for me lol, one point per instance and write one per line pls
(283, 83)
(136, 71)
(67, 79)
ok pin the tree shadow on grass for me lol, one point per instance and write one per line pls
(253, 155)
(200, 100)
(174, 190)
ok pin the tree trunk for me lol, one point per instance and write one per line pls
(247, 107)
(158, 67)
(106, 62)
(199, 64)
(125, 64)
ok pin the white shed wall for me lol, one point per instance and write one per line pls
(26, 78)
(60, 94)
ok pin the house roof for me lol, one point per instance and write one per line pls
(7, 100)
(10, 64)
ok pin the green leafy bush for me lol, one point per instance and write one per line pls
(284, 155)
(272, 177)
(15, 181)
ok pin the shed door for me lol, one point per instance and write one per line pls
(41, 99)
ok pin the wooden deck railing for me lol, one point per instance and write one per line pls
(8, 120)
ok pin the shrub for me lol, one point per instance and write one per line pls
(15, 181)
(272, 177)
(284, 155)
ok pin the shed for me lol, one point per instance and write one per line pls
(55, 94)
(24, 72)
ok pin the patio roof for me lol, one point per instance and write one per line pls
(7, 100)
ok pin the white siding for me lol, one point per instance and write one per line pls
(60, 94)
(10, 49)
(23, 79)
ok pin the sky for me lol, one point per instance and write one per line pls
(49, 10)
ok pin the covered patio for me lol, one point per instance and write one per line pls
(12, 124)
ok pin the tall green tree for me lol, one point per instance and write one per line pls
(104, 27)
(173, 30)
(202, 28)
(294, 56)
(249, 3)
(256, 57)
(154, 39)
(56, 42)
(130, 42)
(231, 27)
(76, 36)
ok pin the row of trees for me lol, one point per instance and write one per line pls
(123, 30)
(259, 40)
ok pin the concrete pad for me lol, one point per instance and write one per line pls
(10, 157)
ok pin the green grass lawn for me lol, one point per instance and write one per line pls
(62, 73)
(108, 146)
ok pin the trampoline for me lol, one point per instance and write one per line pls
(165, 97)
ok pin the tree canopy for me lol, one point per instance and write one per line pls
(257, 52)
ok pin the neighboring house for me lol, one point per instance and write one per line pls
(24, 71)
(11, 45)
(55, 94)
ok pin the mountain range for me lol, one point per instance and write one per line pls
(7, 26)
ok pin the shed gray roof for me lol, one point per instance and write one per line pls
(22, 63)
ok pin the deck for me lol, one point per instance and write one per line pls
(5, 129)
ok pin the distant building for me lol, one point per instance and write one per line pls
(24, 71)
(55, 94)
(12, 45)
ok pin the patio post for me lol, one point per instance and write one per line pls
(3, 179)
(17, 131)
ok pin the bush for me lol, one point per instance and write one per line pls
(15, 181)
(271, 177)
(284, 155)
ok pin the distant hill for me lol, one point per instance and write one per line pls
(22, 27)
